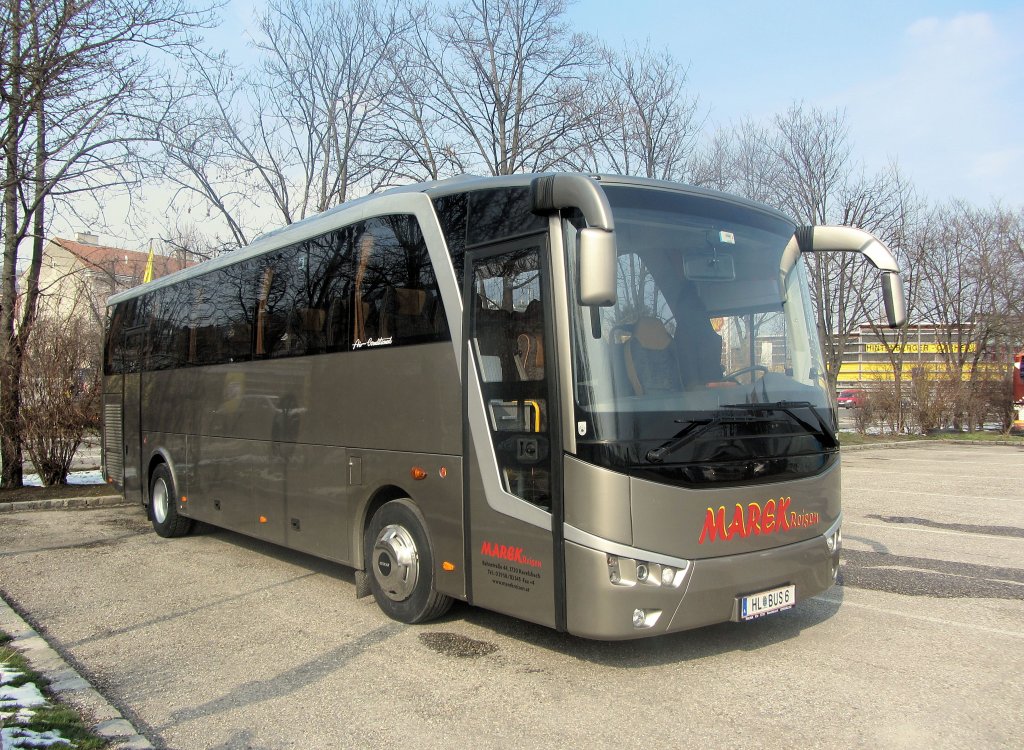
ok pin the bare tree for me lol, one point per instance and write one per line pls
(506, 78)
(199, 158)
(741, 159)
(818, 183)
(415, 132)
(642, 120)
(964, 284)
(76, 79)
(60, 392)
(903, 226)
(300, 132)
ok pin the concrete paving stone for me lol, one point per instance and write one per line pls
(115, 728)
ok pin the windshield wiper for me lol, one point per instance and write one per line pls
(694, 430)
(787, 407)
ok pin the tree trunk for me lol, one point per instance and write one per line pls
(10, 356)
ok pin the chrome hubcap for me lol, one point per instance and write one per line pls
(395, 563)
(160, 500)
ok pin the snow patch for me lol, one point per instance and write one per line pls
(17, 737)
(26, 695)
(75, 477)
(8, 675)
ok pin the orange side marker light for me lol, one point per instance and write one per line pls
(263, 519)
(418, 473)
(184, 499)
(448, 566)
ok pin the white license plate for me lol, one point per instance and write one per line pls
(766, 602)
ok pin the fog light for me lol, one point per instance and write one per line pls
(639, 618)
(613, 569)
(830, 542)
(667, 574)
(641, 572)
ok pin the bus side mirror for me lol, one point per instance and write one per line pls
(895, 302)
(843, 239)
(597, 266)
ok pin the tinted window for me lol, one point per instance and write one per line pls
(323, 300)
(276, 276)
(359, 287)
(169, 328)
(485, 216)
(397, 301)
(113, 347)
(501, 214)
(451, 213)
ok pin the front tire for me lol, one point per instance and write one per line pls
(400, 564)
(163, 505)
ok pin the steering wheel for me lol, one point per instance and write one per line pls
(734, 375)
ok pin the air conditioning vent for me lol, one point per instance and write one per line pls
(113, 442)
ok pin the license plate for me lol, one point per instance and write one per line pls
(766, 602)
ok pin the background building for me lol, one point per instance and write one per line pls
(78, 275)
(928, 349)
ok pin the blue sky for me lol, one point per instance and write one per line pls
(937, 86)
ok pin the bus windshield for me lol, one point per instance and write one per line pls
(708, 367)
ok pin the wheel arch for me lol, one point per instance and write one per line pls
(159, 456)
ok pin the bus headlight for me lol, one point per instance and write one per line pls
(624, 571)
(834, 543)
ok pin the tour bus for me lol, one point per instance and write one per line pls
(595, 403)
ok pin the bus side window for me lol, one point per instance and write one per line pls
(397, 300)
(114, 354)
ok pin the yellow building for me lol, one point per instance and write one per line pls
(866, 359)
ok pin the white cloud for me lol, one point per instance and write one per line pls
(952, 110)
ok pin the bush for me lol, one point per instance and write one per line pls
(992, 402)
(60, 393)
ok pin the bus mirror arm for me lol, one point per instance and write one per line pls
(820, 239)
(597, 254)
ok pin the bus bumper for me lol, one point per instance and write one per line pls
(710, 593)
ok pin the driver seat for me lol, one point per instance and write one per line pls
(651, 362)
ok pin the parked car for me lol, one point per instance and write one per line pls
(852, 398)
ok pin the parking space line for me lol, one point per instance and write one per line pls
(890, 490)
(903, 527)
(945, 476)
(922, 618)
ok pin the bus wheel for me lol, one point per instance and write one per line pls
(163, 507)
(400, 564)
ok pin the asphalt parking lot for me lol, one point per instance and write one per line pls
(219, 641)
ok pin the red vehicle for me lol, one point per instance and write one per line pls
(852, 398)
(1018, 378)
(1017, 428)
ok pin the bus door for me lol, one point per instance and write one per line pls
(513, 478)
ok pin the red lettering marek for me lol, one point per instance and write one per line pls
(774, 517)
(754, 518)
(510, 553)
(768, 522)
(714, 525)
(783, 512)
(736, 528)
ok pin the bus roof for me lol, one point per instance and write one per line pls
(338, 216)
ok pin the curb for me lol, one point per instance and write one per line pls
(68, 685)
(917, 443)
(65, 503)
